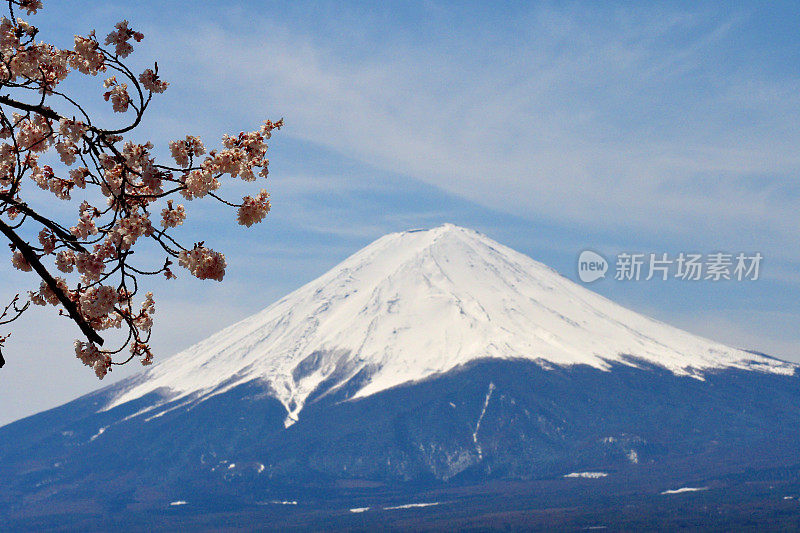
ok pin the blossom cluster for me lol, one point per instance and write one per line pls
(203, 262)
(120, 38)
(253, 210)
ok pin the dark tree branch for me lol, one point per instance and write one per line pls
(68, 304)
(35, 108)
(68, 238)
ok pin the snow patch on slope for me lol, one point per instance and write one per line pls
(683, 490)
(480, 418)
(587, 475)
(99, 432)
(412, 506)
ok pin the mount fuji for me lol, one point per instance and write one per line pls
(435, 378)
(420, 303)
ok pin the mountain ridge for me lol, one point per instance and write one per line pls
(373, 316)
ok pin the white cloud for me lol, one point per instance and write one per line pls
(574, 124)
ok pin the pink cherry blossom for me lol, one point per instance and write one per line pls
(51, 142)
(19, 262)
(203, 262)
(173, 217)
(120, 37)
(253, 210)
(151, 82)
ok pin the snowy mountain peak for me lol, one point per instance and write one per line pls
(423, 302)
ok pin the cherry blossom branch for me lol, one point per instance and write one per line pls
(133, 185)
(13, 308)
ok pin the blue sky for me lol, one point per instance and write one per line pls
(551, 127)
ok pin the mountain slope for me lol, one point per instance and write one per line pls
(494, 439)
(432, 367)
(419, 303)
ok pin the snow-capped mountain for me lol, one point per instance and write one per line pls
(420, 303)
(434, 380)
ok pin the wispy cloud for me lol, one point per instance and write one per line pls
(633, 120)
